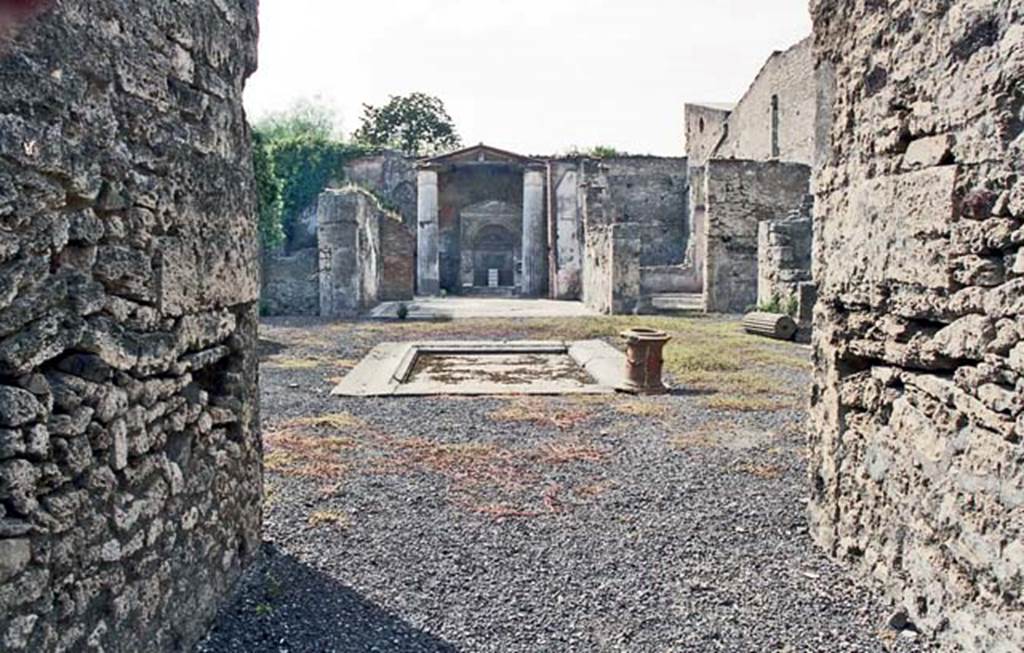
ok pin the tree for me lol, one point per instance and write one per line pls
(415, 124)
(268, 193)
(304, 118)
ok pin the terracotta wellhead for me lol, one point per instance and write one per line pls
(644, 360)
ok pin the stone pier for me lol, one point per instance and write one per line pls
(534, 230)
(428, 277)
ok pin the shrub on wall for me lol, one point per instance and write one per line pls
(268, 193)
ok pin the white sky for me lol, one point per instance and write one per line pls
(533, 76)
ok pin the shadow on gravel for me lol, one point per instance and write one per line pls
(283, 604)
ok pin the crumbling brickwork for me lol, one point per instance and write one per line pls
(919, 332)
(130, 474)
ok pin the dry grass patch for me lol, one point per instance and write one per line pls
(540, 412)
(764, 471)
(290, 363)
(328, 518)
(642, 408)
(723, 434)
(572, 450)
(337, 421)
(293, 454)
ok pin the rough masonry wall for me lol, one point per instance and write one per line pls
(130, 475)
(705, 128)
(611, 269)
(354, 234)
(739, 195)
(790, 77)
(291, 283)
(651, 192)
(389, 175)
(917, 468)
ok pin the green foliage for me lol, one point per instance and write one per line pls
(403, 311)
(306, 164)
(304, 118)
(604, 152)
(777, 305)
(415, 124)
(792, 306)
(268, 193)
(296, 154)
(596, 152)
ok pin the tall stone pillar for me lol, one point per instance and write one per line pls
(534, 234)
(428, 278)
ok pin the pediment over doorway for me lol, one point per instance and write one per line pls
(481, 154)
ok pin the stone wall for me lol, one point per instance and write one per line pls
(651, 192)
(130, 474)
(740, 195)
(705, 127)
(919, 333)
(611, 269)
(389, 175)
(789, 78)
(566, 203)
(354, 234)
(291, 283)
(784, 268)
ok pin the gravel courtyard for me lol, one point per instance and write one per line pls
(583, 523)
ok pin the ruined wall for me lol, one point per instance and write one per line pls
(291, 283)
(611, 263)
(784, 268)
(740, 195)
(705, 127)
(788, 76)
(355, 233)
(917, 470)
(130, 473)
(389, 175)
(567, 178)
(650, 192)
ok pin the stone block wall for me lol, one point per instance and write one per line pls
(784, 268)
(705, 127)
(358, 239)
(291, 283)
(651, 192)
(611, 264)
(739, 195)
(130, 474)
(788, 80)
(917, 471)
(391, 176)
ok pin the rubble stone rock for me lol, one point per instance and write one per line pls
(128, 253)
(918, 485)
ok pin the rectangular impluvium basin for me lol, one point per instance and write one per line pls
(486, 368)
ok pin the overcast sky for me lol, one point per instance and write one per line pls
(534, 76)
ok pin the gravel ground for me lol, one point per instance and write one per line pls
(549, 524)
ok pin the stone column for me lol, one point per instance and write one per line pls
(428, 277)
(534, 234)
